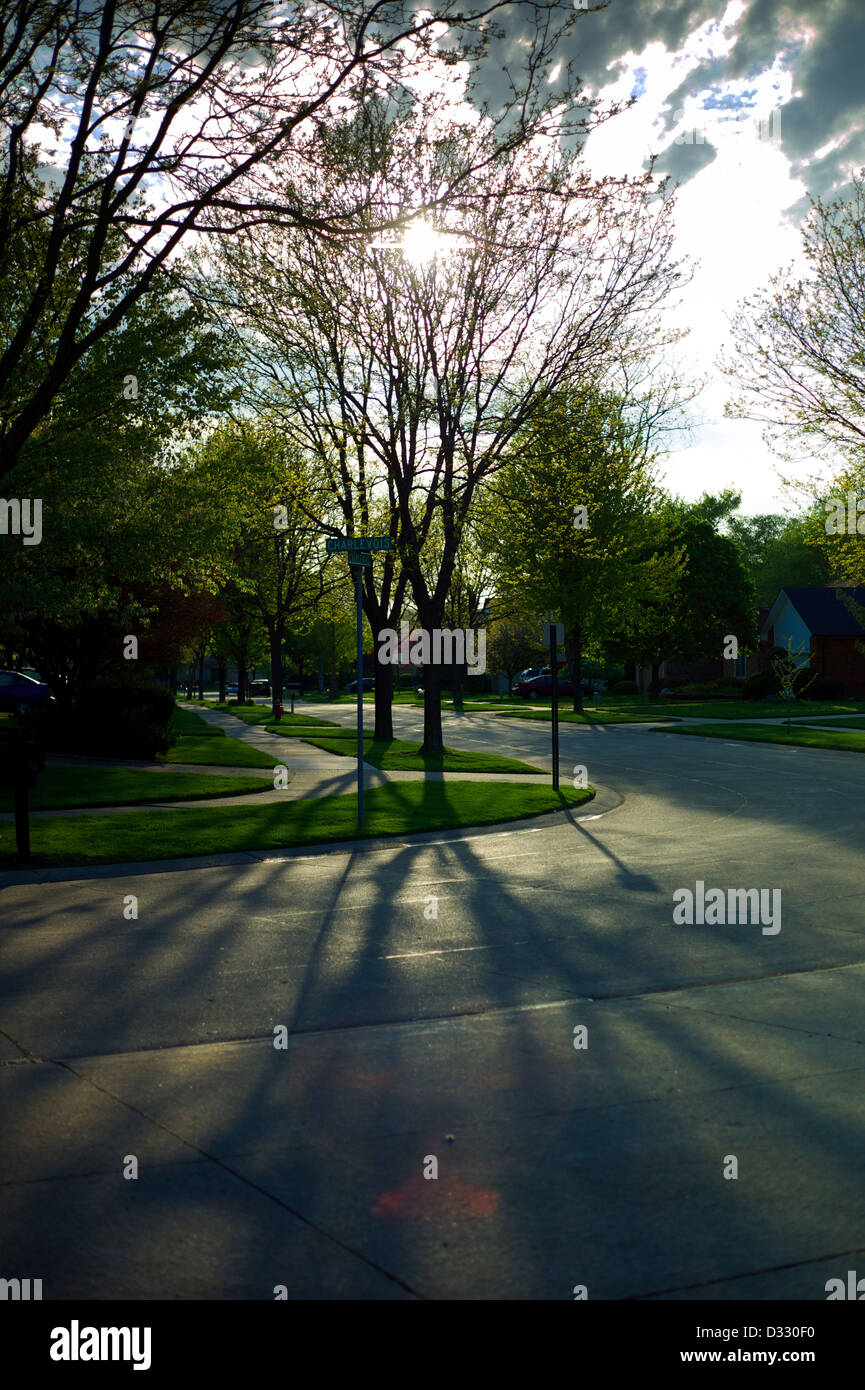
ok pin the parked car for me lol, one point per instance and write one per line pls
(543, 685)
(18, 693)
(259, 687)
(368, 684)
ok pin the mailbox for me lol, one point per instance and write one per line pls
(21, 759)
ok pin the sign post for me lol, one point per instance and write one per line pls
(21, 758)
(554, 634)
(358, 549)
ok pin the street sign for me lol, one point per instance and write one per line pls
(359, 550)
(336, 544)
(547, 637)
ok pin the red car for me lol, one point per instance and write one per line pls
(543, 685)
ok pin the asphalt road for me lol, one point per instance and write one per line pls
(430, 991)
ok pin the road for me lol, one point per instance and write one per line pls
(430, 991)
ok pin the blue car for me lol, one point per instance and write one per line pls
(18, 693)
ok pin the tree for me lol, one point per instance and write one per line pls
(567, 530)
(169, 120)
(118, 530)
(514, 643)
(707, 595)
(267, 493)
(778, 551)
(799, 361)
(409, 377)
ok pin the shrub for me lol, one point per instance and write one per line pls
(114, 718)
(624, 688)
(477, 685)
(763, 685)
(824, 688)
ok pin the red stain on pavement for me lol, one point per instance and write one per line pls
(436, 1199)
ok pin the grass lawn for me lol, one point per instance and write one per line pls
(398, 809)
(592, 715)
(263, 714)
(745, 709)
(400, 755)
(225, 752)
(59, 787)
(855, 722)
(185, 722)
(308, 731)
(769, 733)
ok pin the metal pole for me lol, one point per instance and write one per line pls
(554, 668)
(22, 816)
(358, 569)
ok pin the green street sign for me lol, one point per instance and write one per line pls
(361, 558)
(337, 544)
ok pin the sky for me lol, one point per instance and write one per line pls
(750, 106)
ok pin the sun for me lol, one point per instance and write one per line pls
(421, 242)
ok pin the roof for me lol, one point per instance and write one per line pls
(821, 611)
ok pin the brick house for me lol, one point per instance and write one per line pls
(815, 622)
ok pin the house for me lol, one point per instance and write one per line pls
(817, 624)
(705, 670)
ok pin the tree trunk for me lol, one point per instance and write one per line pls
(321, 675)
(222, 669)
(241, 680)
(655, 682)
(202, 657)
(433, 740)
(457, 674)
(576, 663)
(383, 702)
(276, 671)
(333, 673)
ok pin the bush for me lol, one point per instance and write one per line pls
(624, 688)
(824, 688)
(674, 683)
(113, 718)
(477, 685)
(763, 685)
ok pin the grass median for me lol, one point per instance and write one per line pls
(798, 737)
(402, 808)
(58, 788)
(400, 755)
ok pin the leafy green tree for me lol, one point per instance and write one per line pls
(709, 595)
(117, 521)
(570, 519)
(778, 552)
(268, 495)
